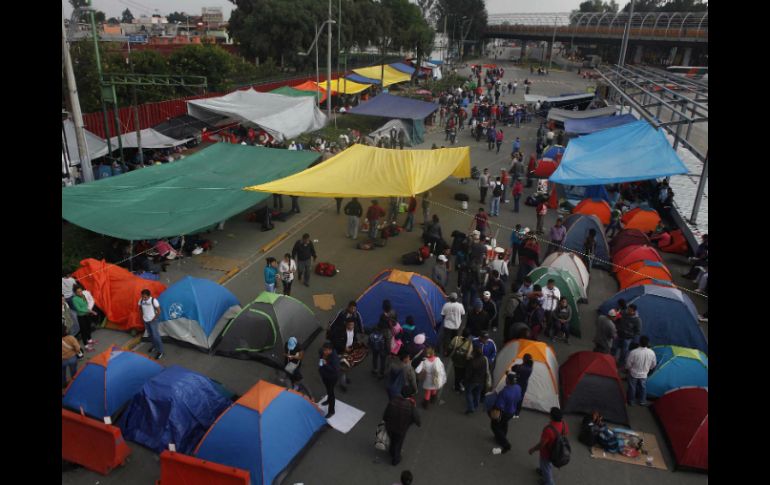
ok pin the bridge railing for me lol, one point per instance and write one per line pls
(594, 31)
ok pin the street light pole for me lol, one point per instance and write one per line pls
(77, 115)
(553, 41)
(329, 67)
(626, 33)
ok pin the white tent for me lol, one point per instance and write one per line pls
(543, 387)
(284, 117)
(384, 131)
(96, 146)
(150, 139)
(562, 115)
(572, 264)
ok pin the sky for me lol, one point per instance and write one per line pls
(113, 8)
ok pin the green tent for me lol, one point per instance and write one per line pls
(295, 93)
(182, 197)
(567, 286)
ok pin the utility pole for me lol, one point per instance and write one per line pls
(339, 43)
(136, 109)
(329, 66)
(553, 41)
(626, 33)
(77, 115)
(446, 39)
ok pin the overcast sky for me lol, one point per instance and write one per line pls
(113, 8)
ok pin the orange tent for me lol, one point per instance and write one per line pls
(646, 220)
(596, 207)
(311, 86)
(644, 273)
(633, 254)
(116, 291)
(678, 243)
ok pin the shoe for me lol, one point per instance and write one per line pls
(159, 356)
(324, 403)
(92, 341)
(425, 404)
(515, 416)
(395, 462)
(645, 404)
(329, 415)
(152, 349)
(506, 450)
(462, 388)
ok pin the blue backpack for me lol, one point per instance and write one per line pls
(377, 341)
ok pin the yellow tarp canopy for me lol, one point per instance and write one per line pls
(345, 86)
(364, 171)
(391, 75)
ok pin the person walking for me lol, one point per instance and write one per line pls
(476, 372)
(639, 363)
(329, 368)
(410, 210)
(460, 351)
(150, 314)
(374, 213)
(338, 201)
(523, 372)
(304, 253)
(271, 275)
(483, 185)
(499, 139)
(452, 313)
(400, 374)
(354, 211)
(516, 148)
(294, 203)
(629, 328)
(497, 194)
(377, 347)
(505, 405)
(399, 415)
(287, 271)
(606, 333)
(481, 223)
(548, 437)
(85, 317)
(491, 137)
(434, 376)
(70, 348)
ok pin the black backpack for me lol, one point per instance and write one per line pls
(497, 191)
(561, 449)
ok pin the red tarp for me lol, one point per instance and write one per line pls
(627, 237)
(116, 291)
(678, 244)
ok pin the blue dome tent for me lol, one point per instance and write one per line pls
(196, 310)
(108, 381)
(411, 294)
(176, 406)
(668, 315)
(677, 367)
(578, 226)
(263, 432)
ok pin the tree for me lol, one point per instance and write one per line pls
(113, 21)
(204, 60)
(425, 7)
(177, 17)
(127, 16)
(458, 14)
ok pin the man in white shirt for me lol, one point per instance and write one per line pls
(639, 363)
(150, 316)
(453, 312)
(484, 179)
(550, 299)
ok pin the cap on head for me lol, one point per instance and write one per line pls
(453, 296)
(419, 339)
(487, 294)
(442, 258)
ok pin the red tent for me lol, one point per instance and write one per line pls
(590, 381)
(644, 273)
(116, 291)
(598, 207)
(678, 243)
(684, 414)
(631, 254)
(627, 237)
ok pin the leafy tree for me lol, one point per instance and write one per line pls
(177, 17)
(127, 16)
(454, 10)
(113, 21)
(204, 60)
(668, 6)
(598, 6)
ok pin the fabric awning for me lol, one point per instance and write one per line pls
(534, 98)
(388, 74)
(592, 125)
(150, 139)
(562, 115)
(301, 91)
(364, 171)
(628, 153)
(384, 130)
(362, 79)
(184, 126)
(282, 116)
(390, 106)
(405, 68)
(97, 147)
(181, 197)
(311, 87)
(345, 86)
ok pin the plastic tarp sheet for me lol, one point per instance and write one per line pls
(400, 66)
(176, 406)
(384, 131)
(592, 125)
(627, 153)
(347, 86)
(388, 74)
(390, 106)
(558, 114)
(293, 92)
(182, 197)
(281, 116)
(312, 88)
(150, 139)
(534, 98)
(362, 79)
(364, 171)
(185, 126)
(97, 147)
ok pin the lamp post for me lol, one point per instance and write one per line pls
(626, 33)
(329, 66)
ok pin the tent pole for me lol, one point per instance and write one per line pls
(131, 256)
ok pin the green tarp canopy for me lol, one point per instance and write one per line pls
(181, 197)
(296, 93)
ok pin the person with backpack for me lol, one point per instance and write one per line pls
(523, 372)
(400, 374)
(452, 314)
(354, 211)
(477, 376)
(150, 309)
(553, 446)
(378, 349)
(460, 351)
(497, 194)
(505, 405)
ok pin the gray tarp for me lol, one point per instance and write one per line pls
(97, 147)
(150, 139)
(557, 114)
(284, 117)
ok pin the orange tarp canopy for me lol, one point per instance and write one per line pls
(312, 87)
(646, 220)
(596, 207)
(643, 273)
(116, 291)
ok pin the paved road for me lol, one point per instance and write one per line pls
(450, 447)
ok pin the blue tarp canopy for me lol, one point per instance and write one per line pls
(362, 79)
(627, 153)
(176, 406)
(592, 125)
(389, 106)
(402, 67)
